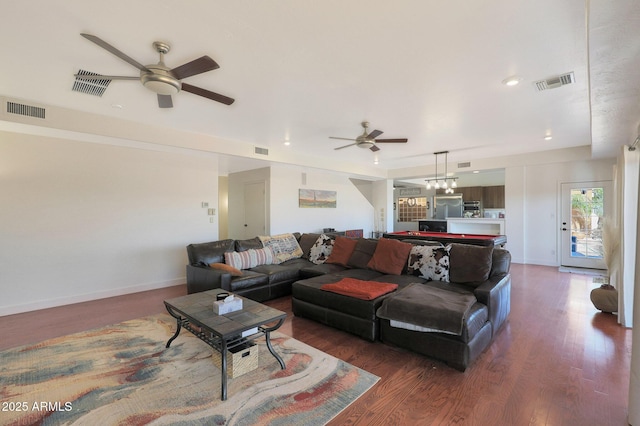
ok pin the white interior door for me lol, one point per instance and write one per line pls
(255, 209)
(584, 205)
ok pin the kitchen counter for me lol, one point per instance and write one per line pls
(475, 225)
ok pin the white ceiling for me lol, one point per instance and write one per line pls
(304, 70)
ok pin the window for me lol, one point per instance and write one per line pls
(412, 208)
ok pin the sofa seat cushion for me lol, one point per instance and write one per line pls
(298, 263)
(359, 274)
(248, 279)
(278, 273)
(402, 280)
(429, 308)
(309, 291)
(476, 319)
(321, 269)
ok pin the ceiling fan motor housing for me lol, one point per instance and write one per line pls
(160, 80)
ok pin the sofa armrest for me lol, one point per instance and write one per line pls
(203, 278)
(495, 293)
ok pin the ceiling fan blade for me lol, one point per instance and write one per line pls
(114, 51)
(374, 134)
(342, 139)
(197, 66)
(374, 148)
(402, 140)
(165, 101)
(346, 146)
(207, 94)
(104, 77)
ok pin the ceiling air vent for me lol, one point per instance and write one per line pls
(27, 110)
(261, 151)
(90, 87)
(555, 82)
(464, 165)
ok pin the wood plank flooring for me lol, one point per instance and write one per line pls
(557, 360)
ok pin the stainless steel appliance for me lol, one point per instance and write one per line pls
(472, 208)
(447, 206)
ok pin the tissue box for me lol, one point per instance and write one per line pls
(221, 307)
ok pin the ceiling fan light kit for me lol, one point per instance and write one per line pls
(159, 78)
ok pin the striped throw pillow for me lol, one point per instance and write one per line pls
(249, 258)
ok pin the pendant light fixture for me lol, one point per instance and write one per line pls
(448, 183)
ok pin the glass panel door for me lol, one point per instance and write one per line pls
(584, 206)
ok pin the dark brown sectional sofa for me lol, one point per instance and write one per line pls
(479, 274)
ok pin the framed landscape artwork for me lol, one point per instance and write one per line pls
(315, 198)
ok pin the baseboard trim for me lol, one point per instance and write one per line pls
(52, 303)
(583, 271)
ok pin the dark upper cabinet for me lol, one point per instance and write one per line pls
(493, 197)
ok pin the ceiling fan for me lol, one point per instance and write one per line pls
(368, 140)
(158, 77)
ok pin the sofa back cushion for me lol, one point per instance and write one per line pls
(204, 254)
(252, 243)
(501, 263)
(307, 241)
(469, 264)
(362, 253)
(390, 256)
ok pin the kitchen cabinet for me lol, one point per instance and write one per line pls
(469, 193)
(493, 197)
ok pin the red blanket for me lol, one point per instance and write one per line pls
(365, 290)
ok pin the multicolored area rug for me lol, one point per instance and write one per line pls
(122, 374)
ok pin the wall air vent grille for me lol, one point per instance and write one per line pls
(464, 165)
(90, 87)
(261, 151)
(27, 110)
(555, 82)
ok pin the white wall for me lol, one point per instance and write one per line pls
(532, 196)
(81, 221)
(353, 210)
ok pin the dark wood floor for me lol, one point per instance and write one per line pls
(558, 361)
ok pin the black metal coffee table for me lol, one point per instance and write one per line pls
(223, 332)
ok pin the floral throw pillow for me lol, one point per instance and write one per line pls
(321, 249)
(429, 262)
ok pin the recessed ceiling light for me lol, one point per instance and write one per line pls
(287, 143)
(548, 137)
(512, 81)
(476, 171)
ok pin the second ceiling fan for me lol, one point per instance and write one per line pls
(368, 140)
